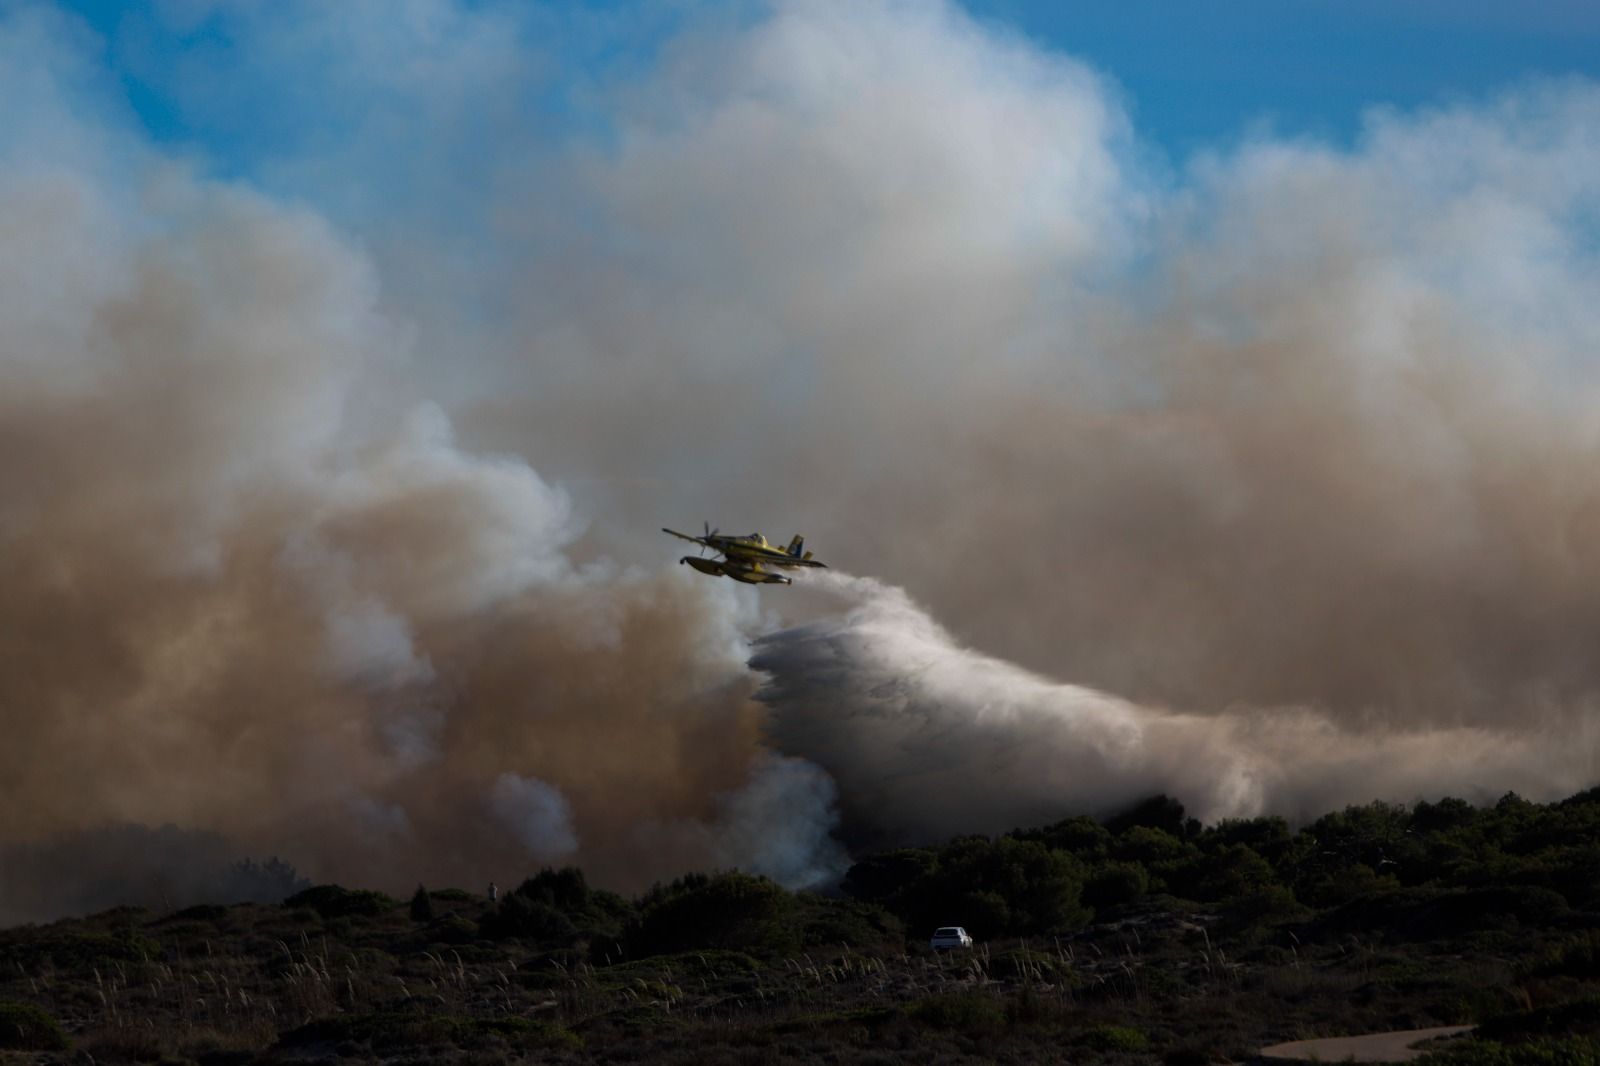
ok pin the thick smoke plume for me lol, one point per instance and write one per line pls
(328, 491)
(927, 738)
(247, 590)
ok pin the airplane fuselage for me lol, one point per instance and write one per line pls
(750, 560)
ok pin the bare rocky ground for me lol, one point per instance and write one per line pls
(1402, 1045)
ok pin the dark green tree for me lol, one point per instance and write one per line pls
(735, 911)
(882, 878)
(1114, 883)
(1234, 872)
(1082, 837)
(527, 918)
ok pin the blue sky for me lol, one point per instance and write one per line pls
(1197, 72)
(1193, 75)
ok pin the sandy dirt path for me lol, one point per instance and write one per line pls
(1374, 1047)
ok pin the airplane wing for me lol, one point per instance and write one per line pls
(684, 536)
(774, 556)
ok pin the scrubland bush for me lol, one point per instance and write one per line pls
(24, 1027)
(1115, 883)
(732, 911)
(969, 1012)
(1105, 1038)
(333, 901)
(558, 907)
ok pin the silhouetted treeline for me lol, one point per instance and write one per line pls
(1419, 871)
(158, 867)
(1142, 938)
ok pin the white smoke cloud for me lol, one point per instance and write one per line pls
(778, 823)
(926, 738)
(537, 816)
(365, 641)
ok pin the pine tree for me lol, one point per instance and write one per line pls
(421, 906)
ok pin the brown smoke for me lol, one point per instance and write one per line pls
(1308, 437)
(1299, 443)
(1313, 428)
(245, 589)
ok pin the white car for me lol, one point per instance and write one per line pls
(950, 937)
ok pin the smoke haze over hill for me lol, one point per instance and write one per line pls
(328, 492)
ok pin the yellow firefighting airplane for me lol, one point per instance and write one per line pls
(746, 558)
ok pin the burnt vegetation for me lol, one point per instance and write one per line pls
(1147, 938)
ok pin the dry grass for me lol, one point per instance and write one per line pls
(131, 986)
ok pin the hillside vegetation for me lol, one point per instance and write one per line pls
(1148, 938)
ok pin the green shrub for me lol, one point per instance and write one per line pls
(1268, 837)
(399, 1031)
(736, 911)
(865, 1017)
(1145, 844)
(24, 1027)
(333, 901)
(532, 919)
(565, 889)
(964, 1011)
(557, 906)
(1577, 956)
(1115, 883)
(1080, 836)
(1232, 871)
(883, 877)
(1257, 911)
(1427, 914)
(1545, 1051)
(1574, 1016)
(1025, 1007)
(851, 922)
(453, 929)
(1107, 1038)
(82, 951)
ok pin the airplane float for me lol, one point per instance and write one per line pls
(749, 559)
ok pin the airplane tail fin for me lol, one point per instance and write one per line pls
(796, 545)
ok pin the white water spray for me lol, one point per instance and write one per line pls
(927, 738)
